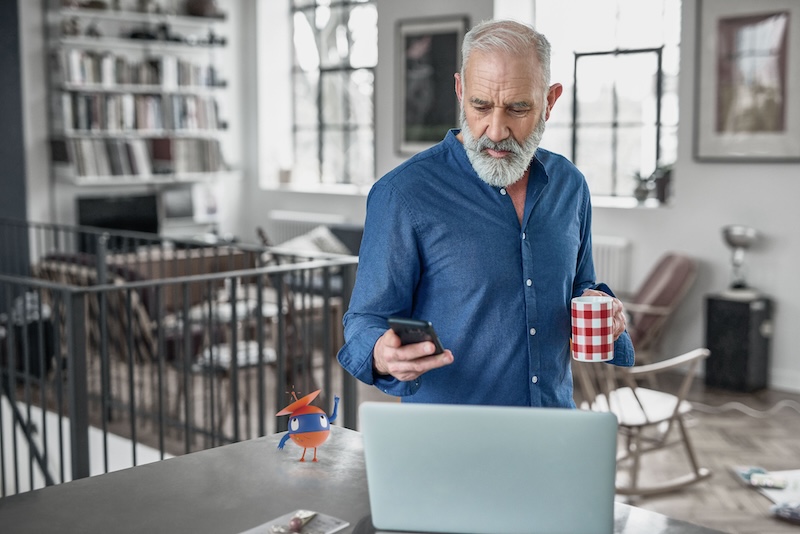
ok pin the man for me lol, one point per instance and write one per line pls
(486, 236)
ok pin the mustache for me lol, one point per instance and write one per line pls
(506, 145)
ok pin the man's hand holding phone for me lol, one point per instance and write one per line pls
(408, 360)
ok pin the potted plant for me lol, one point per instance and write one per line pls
(644, 185)
(662, 179)
(656, 184)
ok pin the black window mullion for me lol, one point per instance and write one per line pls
(574, 154)
(614, 131)
(320, 99)
(659, 95)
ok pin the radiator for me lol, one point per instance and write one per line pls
(286, 224)
(612, 260)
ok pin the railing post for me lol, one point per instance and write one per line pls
(105, 366)
(78, 398)
(349, 389)
(282, 384)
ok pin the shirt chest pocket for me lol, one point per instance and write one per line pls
(551, 250)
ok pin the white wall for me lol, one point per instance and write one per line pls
(389, 13)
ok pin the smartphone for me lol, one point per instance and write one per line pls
(415, 331)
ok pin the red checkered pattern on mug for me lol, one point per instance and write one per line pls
(592, 336)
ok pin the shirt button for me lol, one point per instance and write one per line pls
(533, 331)
(535, 379)
(529, 282)
(503, 191)
(524, 235)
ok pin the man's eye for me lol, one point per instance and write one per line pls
(518, 112)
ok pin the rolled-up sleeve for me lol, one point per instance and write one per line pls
(388, 267)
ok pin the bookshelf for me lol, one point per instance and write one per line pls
(136, 97)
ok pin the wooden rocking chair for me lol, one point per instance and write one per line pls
(646, 417)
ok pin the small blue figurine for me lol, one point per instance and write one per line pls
(308, 425)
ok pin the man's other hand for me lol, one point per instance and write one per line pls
(619, 321)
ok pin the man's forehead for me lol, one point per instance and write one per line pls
(503, 68)
(479, 59)
(489, 77)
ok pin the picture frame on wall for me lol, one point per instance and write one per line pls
(428, 56)
(747, 83)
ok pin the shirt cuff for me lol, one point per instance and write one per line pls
(624, 353)
(392, 386)
(356, 358)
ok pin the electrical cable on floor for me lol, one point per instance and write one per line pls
(745, 409)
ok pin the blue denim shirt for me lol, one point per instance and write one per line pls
(442, 245)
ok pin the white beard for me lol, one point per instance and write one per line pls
(500, 172)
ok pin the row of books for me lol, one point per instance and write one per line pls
(197, 155)
(124, 112)
(102, 158)
(108, 69)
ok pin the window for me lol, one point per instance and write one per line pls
(616, 119)
(618, 115)
(333, 78)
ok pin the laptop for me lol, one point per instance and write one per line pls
(489, 469)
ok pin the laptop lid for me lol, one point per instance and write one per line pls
(489, 469)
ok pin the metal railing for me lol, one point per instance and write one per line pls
(121, 344)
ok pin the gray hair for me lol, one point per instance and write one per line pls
(510, 37)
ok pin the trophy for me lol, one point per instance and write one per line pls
(739, 238)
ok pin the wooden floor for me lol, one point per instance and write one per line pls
(733, 435)
(722, 438)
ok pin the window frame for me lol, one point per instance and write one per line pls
(349, 129)
(615, 124)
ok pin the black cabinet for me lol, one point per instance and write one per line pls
(738, 331)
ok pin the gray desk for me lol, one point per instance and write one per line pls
(231, 489)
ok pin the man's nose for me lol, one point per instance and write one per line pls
(497, 129)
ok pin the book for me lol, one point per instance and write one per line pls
(114, 157)
(66, 111)
(88, 157)
(125, 163)
(162, 155)
(127, 112)
(101, 155)
(169, 72)
(140, 158)
(107, 67)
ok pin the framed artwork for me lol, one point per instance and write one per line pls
(747, 101)
(428, 55)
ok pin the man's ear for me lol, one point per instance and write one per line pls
(459, 89)
(552, 95)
